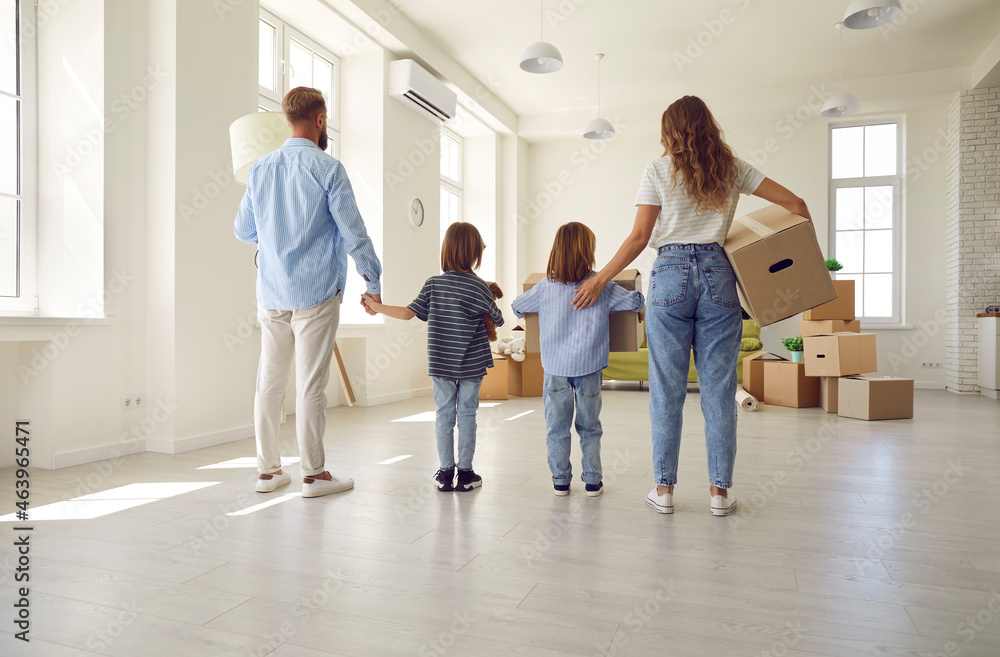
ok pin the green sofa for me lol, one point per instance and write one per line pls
(634, 366)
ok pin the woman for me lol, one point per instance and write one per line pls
(686, 202)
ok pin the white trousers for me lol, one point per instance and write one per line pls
(309, 334)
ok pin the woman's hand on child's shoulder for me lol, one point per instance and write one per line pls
(588, 291)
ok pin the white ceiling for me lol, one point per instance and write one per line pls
(762, 44)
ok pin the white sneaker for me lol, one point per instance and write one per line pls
(273, 483)
(723, 506)
(318, 487)
(660, 503)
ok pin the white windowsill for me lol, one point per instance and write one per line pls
(56, 321)
(886, 327)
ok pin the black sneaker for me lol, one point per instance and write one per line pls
(445, 480)
(467, 480)
(561, 489)
(593, 490)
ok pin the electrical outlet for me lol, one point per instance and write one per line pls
(930, 365)
(126, 403)
(139, 400)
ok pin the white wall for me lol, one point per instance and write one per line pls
(91, 251)
(596, 183)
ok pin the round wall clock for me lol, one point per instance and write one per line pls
(415, 212)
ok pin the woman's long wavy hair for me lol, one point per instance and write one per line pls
(694, 142)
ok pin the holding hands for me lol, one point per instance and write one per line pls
(372, 303)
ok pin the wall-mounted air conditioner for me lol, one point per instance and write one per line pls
(412, 85)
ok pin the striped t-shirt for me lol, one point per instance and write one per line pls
(453, 304)
(679, 222)
(574, 342)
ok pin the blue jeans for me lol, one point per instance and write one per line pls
(456, 398)
(558, 399)
(693, 303)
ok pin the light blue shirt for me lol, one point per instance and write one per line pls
(299, 209)
(574, 342)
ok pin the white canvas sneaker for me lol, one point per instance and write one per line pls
(318, 487)
(275, 482)
(660, 503)
(723, 506)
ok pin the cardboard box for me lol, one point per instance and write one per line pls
(625, 329)
(780, 271)
(828, 397)
(875, 398)
(841, 354)
(525, 378)
(786, 384)
(495, 382)
(753, 372)
(828, 326)
(840, 308)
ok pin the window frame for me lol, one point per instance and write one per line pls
(897, 183)
(26, 300)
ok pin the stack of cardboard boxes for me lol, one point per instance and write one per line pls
(839, 354)
(836, 356)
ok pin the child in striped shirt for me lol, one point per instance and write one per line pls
(574, 346)
(458, 351)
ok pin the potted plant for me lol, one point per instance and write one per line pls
(794, 345)
(833, 266)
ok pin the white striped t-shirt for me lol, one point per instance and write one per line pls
(679, 222)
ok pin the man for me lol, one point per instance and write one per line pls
(299, 209)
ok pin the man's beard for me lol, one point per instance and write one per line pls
(323, 141)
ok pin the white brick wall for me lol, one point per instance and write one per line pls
(973, 227)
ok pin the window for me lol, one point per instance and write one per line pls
(451, 180)
(17, 151)
(288, 59)
(866, 218)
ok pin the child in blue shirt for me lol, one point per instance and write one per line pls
(574, 349)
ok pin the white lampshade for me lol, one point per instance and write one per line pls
(541, 57)
(253, 136)
(841, 105)
(866, 14)
(599, 129)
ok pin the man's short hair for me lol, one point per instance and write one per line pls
(302, 104)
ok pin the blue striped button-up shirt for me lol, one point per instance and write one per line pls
(299, 209)
(574, 342)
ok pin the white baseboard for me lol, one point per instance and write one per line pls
(164, 446)
(99, 453)
(397, 396)
(988, 392)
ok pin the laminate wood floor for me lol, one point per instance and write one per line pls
(851, 538)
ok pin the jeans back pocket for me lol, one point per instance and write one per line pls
(722, 282)
(668, 284)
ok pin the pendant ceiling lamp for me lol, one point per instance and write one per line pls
(599, 128)
(541, 57)
(866, 14)
(841, 104)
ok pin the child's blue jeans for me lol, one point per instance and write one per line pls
(559, 397)
(456, 398)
